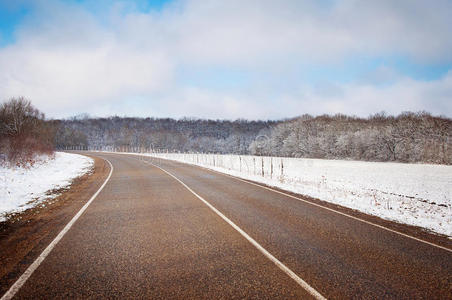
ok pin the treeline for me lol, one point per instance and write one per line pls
(145, 134)
(24, 133)
(409, 137)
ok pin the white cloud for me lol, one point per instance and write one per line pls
(364, 99)
(357, 99)
(246, 32)
(72, 79)
(68, 60)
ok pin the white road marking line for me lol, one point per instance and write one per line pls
(22, 279)
(285, 269)
(341, 213)
(300, 199)
(321, 206)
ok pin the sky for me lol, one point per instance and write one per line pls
(253, 59)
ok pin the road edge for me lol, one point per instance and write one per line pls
(29, 271)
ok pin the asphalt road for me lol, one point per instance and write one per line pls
(148, 236)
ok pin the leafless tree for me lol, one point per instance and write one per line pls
(24, 133)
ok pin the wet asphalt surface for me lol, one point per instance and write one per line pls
(147, 237)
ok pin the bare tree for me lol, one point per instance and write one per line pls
(23, 132)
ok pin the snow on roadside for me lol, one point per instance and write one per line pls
(414, 194)
(21, 189)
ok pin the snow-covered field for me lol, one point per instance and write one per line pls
(415, 194)
(21, 188)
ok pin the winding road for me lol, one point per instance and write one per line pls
(161, 229)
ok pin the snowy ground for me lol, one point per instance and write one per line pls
(21, 188)
(415, 194)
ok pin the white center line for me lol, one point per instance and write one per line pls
(283, 267)
(317, 205)
(299, 199)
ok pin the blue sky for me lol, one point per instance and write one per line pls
(227, 59)
(10, 17)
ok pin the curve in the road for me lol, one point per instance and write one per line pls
(343, 261)
(328, 208)
(267, 254)
(147, 235)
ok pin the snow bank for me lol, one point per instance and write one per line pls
(415, 194)
(21, 188)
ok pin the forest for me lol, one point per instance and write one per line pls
(408, 137)
(153, 134)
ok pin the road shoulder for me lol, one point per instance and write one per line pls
(24, 236)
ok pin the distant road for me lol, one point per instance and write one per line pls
(180, 231)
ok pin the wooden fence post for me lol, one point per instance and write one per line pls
(282, 167)
(271, 167)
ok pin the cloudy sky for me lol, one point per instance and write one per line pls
(231, 59)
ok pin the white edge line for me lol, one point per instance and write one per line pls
(284, 268)
(24, 277)
(341, 213)
(315, 204)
